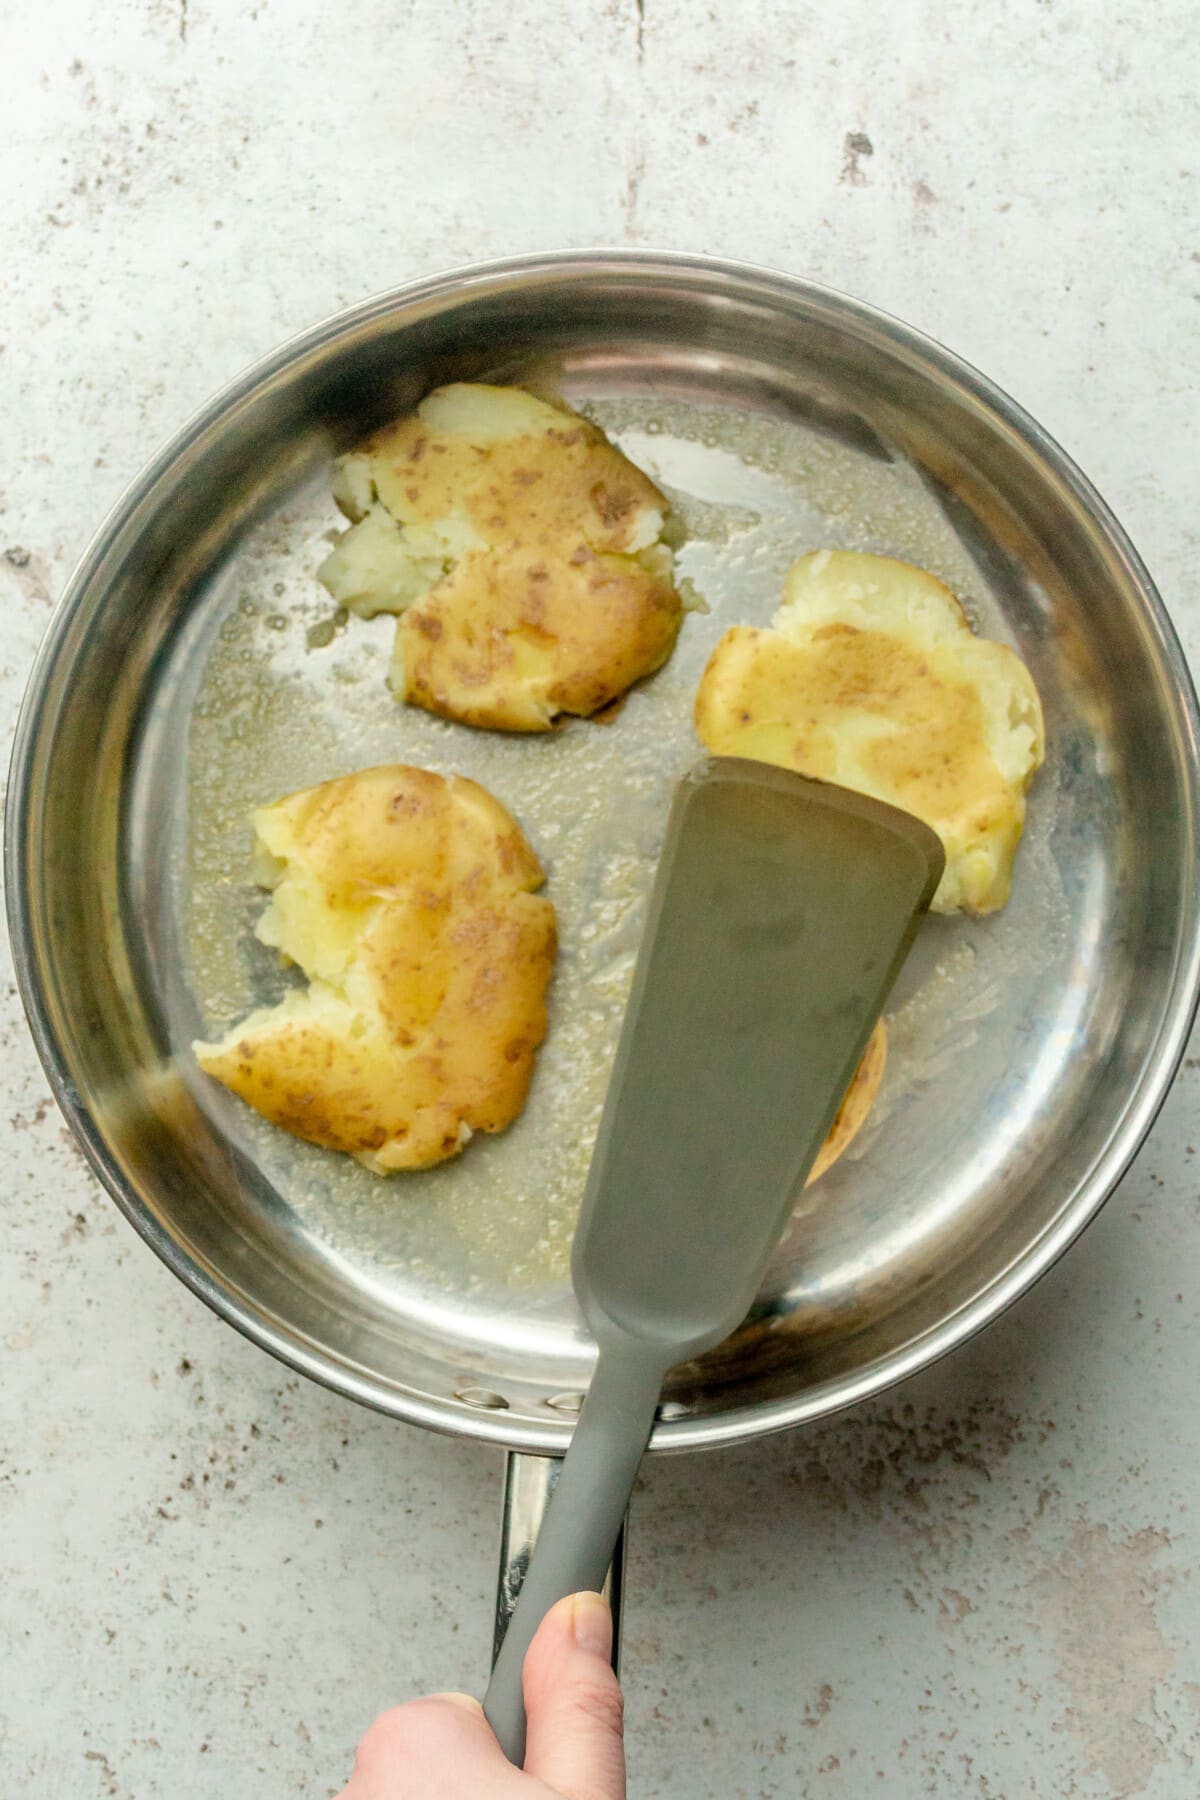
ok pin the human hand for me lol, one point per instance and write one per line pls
(444, 1749)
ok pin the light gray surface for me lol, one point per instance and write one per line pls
(982, 1585)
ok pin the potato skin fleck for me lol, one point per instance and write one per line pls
(409, 899)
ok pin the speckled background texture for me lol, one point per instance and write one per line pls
(214, 1574)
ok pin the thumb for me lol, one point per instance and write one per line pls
(573, 1704)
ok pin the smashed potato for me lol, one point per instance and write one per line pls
(521, 550)
(856, 1104)
(872, 677)
(408, 900)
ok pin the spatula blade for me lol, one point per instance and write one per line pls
(782, 911)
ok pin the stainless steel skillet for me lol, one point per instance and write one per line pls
(192, 670)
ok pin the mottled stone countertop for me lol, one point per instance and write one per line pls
(213, 1573)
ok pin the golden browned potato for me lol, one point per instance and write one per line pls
(873, 678)
(522, 551)
(856, 1104)
(408, 900)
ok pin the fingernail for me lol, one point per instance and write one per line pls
(591, 1624)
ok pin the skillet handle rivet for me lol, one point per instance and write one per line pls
(483, 1398)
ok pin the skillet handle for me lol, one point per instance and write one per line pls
(529, 1482)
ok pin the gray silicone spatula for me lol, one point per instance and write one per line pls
(780, 915)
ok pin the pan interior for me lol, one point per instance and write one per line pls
(1015, 1042)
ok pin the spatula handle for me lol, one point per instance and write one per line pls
(576, 1542)
(529, 1482)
